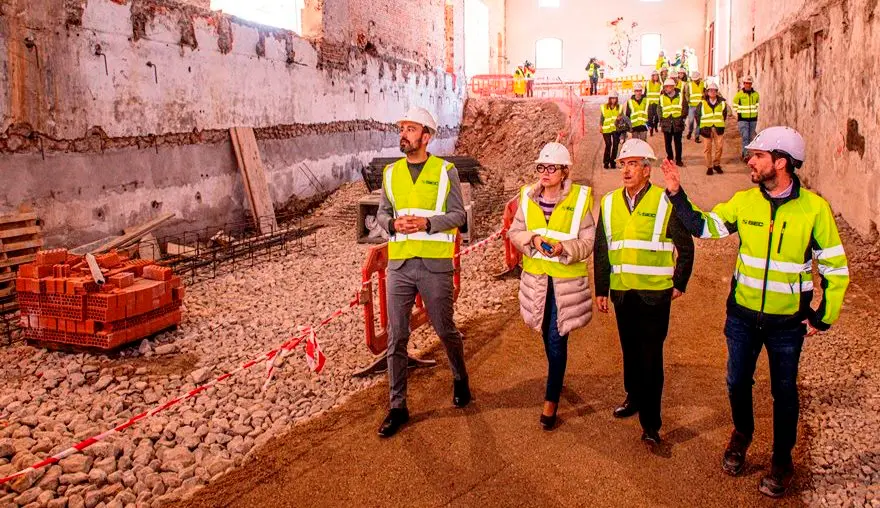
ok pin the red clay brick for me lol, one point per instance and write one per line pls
(122, 280)
(51, 257)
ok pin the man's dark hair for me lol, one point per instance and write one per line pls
(790, 163)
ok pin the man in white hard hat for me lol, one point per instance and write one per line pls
(782, 228)
(608, 114)
(421, 209)
(637, 239)
(673, 109)
(712, 117)
(745, 103)
(637, 111)
(695, 97)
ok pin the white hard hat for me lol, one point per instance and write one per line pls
(613, 95)
(420, 116)
(638, 87)
(712, 86)
(748, 79)
(669, 82)
(554, 153)
(782, 139)
(695, 75)
(655, 72)
(636, 148)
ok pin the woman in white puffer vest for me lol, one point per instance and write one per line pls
(554, 230)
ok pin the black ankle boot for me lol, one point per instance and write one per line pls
(461, 393)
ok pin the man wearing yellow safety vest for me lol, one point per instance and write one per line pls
(519, 81)
(421, 208)
(608, 114)
(712, 116)
(673, 108)
(637, 239)
(745, 103)
(695, 97)
(637, 111)
(661, 61)
(782, 228)
(654, 89)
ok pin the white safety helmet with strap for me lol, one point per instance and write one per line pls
(554, 153)
(669, 82)
(695, 75)
(613, 95)
(420, 116)
(712, 86)
(781, 139)
(638, 87)
(636, 148)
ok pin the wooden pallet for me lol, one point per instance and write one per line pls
(19, 242)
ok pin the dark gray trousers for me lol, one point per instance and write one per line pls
(403, 284)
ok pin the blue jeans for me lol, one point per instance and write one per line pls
(747, 131)
(556, 347)
(744, 343)
(692, 121)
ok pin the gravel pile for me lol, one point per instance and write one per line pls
(52, 400)
(840, 379)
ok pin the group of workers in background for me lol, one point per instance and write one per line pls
(643, 256)
(679, 106)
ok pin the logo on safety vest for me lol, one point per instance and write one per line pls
(647, 214)
(753, 223)
(430, 182)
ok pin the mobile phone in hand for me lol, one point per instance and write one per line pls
(547, 247)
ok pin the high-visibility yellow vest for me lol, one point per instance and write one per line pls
(426, 197)
(638, 112)
(712, 116)
(671, 107)
(661, 61)
(640, 253)
(746, 104)
(774, 267)
(564, 224)
(696, 93)
(654, 89)
(609, 117)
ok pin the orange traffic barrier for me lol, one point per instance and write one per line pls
(512, 256)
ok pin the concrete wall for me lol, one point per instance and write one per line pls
(816, 74)
(583, 28)
(95, 151)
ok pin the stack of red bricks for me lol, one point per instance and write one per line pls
(62, 304)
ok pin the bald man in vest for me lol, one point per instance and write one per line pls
(421, 208)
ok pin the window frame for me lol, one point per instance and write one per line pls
(653, 61)
(561, 53)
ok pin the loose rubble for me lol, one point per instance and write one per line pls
(51, 400)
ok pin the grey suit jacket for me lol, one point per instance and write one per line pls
(455, 217)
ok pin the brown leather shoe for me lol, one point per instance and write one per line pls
(777, 482)
(735, 455)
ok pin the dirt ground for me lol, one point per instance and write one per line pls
(494, 453)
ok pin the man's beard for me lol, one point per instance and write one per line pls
(407, 147)
(768, 181)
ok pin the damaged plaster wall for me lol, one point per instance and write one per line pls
(817, 75)
(95, 148)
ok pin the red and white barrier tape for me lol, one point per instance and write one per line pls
(274, 357)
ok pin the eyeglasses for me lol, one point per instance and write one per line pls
(549, 168)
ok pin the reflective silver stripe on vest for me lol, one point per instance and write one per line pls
(643, 270)
(776, 266)
(830, 252)
(774, 286)
(654, 245)
(826, 270)
(388, 189)
(424, 236)
(719, 225)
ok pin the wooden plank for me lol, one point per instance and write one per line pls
(27, 244)
(17, 217)
(8, 307)
(7, 291)
(148, 248)
(173, 249)
(8, 276)
(86, 248)
(20, 260)
(253, 174)
(10, 233)
(136, 234)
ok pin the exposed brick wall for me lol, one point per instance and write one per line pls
(407, 29)
(204, 4)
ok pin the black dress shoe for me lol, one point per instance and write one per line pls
(392, 423)
(777, 482)
(627, 409)
(735, 455)
(689, 136)
(698, 140)
(461, 393)
(652, 437)
(679, 163)
(548, 422)
(718, 170)
(709, 171)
